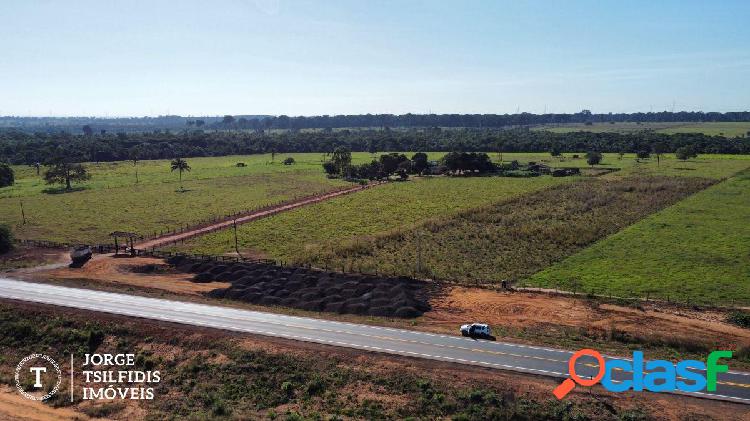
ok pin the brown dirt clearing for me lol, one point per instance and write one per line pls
(523, 309)
(119, 271)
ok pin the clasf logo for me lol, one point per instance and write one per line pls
(654, 376)
(38, 377)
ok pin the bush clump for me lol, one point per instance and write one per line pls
(6, 239)
(7, 177)
(739, 318)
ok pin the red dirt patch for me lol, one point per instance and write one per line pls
(523, 309)
(120, 271)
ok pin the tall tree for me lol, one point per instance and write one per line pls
(179, 164)
(500, 149)
(419, 162)
(342, 159)
(372, 147)
(65, 172)
(593, 158)
(659, 149)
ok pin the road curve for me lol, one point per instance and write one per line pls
(733, 386)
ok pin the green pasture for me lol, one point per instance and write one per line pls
(728, 129)
(696, 251)
(112, 200)
(291, 234)
(710, 166)
(108, 175)
(295, 234)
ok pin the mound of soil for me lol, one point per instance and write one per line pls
(311, 289)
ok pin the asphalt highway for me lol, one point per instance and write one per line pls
(732, 386)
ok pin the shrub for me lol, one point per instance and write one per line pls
(743, 354)
(329, 168)
(104, 410)
(685, 152)
(6, 239)
(288, 388)
(315, 387)
(96, 337)
(6, 175)
(593, 158)
(739, 318)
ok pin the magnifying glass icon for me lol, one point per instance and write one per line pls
(565, 387)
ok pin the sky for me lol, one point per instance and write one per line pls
(192, 58)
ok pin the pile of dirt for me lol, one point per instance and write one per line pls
(311, 289)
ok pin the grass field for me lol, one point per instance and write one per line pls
(108, 175)
(112, 200)
(730, 129)
(711, 166)
(618, 127)
(295, 235)
(697, 250)
(514, 239)
(288, 235)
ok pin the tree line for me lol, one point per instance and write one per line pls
(468, 120)
(263, 122)
(22, 148)
(398, 164)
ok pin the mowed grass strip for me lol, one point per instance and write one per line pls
(289, 235)
(514, 239)
(696, 251)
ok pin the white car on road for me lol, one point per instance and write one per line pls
(476, 330)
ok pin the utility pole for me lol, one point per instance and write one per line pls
(236, 242)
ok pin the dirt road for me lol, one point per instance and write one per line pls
(202, 230)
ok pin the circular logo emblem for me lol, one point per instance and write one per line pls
(38, 377)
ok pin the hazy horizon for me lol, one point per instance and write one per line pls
(136, 59)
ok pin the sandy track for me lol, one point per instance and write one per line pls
(14, 407)
(226, 223)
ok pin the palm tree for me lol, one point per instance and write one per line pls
(180, 165)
